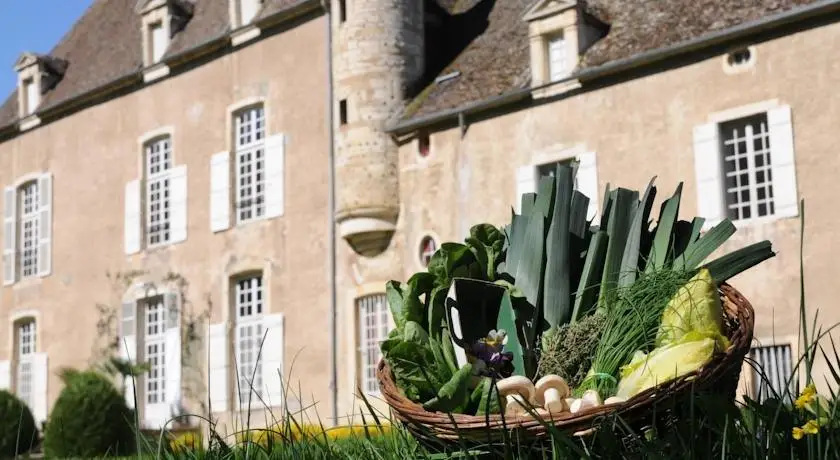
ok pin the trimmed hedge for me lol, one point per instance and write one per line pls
(18, 433)
(90, 418)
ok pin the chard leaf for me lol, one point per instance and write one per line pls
(393, 292)
(489, 398)
(453, 394)
(414, 369)
(414, 333)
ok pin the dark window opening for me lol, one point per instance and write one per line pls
(342, 112)
(423, 145)
(740, 57)
(342, 11)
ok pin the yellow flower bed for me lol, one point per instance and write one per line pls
(282, 433)
(186, 442)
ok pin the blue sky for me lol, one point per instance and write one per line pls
(32, 25)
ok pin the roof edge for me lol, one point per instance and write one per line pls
(646, 58)
(177, 60)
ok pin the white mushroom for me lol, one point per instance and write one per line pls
(551, 393)
(589, 399)
(614, 400)
(518, 392)
(592, 397)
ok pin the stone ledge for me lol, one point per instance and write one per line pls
(368, 236)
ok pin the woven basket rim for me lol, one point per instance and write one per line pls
(739, 318)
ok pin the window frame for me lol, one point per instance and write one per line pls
(161, 178)
(743, 131)
(256, 148)
(364, 364)
(787, 350)
(553, 74)
(253, 322)
(146, 307)
(23, 218)
(22, 359)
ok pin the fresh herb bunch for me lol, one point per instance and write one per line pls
(568, 351)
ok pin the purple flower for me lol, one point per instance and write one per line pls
(490, 352)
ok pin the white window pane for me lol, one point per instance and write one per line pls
(557, 58)
(748, 178)
(159, 41)
(374, 325)
(28, 230)
(248, 306)
(33, 96)
(158, 158)
(155, 351)
(247, 10)
(250, 164)
(25, 350)
(774, 362)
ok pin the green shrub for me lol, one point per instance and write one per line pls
(90, 418)
(17, 426)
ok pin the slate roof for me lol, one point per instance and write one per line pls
(498, 61)
(487, 42)
(105, 45)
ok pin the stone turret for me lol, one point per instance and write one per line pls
(378, 55)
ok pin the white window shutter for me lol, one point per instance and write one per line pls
(40, 374)
(217, 343)
(9, 235)
(708, 168)
(272, 359)
(587, 182)
(45, 221)
(173, 353)
(128, 344)
(782, 162)
(5, 375)
(178, 204)
(275, 152)
(220, 203)
(526, 182)
(133, 217)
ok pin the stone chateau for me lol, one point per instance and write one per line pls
(186, 183)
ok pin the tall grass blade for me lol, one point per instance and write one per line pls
(557, 298)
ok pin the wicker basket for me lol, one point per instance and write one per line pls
(720, 376)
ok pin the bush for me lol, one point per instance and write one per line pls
(17, 426)
(90, 418)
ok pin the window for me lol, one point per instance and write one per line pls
(32, 95)
(24, 384)
(374, 323)
(248, 308)
(748, 176)
(428, 247)
(158, 158)
(739, 57)
(250, 164)
(154, 349)
(342, 11)
(423, 145)
(557, 61)
(247, 10)
(342, 112)
(550, 169)
(158, 41)
(775, 363)
(29, 227)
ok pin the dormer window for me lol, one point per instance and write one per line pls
(37, 74)
(243, 12)
(160, 21)
(560, 32)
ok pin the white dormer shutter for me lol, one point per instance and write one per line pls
(557, 57)
(220, 191)
(272, 360)
(526, 182)
(159, 41)
(178, 204)
(5, 375)
(9, 236)
(128, 344)
(173, 353)
(40, 374)
(275, 152)
(708, 167)
(45, 221)
(587, 183)
(782, 162)
(133, 214)
(217, 343)
(248, 10)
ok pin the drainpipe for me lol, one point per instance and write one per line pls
(332, 225)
